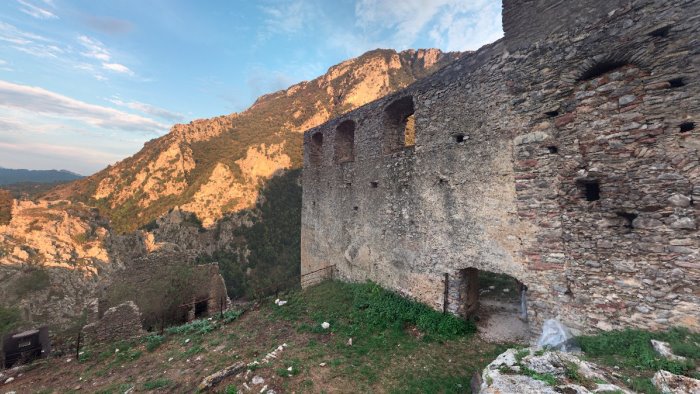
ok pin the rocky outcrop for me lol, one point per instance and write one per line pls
(666, 382)
(532, 371)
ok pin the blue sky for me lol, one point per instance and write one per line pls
(85, 83)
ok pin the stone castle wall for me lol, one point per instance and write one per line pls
(118, 323)
(567, 159)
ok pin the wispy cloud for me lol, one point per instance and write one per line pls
(36, 11)
(13, 35)
(148, 109)
(41, 101)
(5, 66)
(449, 24)
(94, 49)
(286, 18)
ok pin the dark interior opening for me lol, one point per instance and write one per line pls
(590, 189)
(676, 82)
(316, 149)
(601, 68)
(400, 125)
(552, 114)
(374, 184)
(661, 32)
(686, 127)
(355, 208)
(553, 149)
(629, 218)
(345, 142)
(459, 138)
(201, 308)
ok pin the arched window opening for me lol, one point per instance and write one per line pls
(345, 142)
(399, 124)
(316, 148)
(600, 68)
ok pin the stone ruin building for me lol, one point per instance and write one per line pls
(564, 155)
(206, 293)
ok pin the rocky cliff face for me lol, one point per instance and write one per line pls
(215, 166)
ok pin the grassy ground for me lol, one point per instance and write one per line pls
(631, 355)
(397, 346)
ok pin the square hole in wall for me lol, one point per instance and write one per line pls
(374, 184)
(459, 138)
(590, 189)
(686, 127)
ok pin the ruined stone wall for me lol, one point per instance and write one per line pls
(510, 146)
(118, 323)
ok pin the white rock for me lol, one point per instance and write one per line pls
(69, 360)
(325, 325)
(664, 349)
(170, 359)
(667, 382)
(9, 380)
(187, 340)
(281, 303)
(262, 390)
(350, 342)
(277, 301)
(116, 350)
(322, 365)
(257, 380)
(290, 369)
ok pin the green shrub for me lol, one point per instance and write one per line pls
(231, 389)
(384, 309)
(153, 342)
(231, 315)
(200, 327)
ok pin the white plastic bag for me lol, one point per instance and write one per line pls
(556, 336)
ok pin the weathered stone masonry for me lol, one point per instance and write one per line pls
(564, 155)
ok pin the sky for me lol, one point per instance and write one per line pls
(84, 84)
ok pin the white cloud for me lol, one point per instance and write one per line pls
(117, 68)
(450, 25)
(36, 11)
(149, 109)
(94, 49)
(41, 101)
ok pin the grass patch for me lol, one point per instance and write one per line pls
(631, 350)
(157, 384)
(544, 377)
(382, 326)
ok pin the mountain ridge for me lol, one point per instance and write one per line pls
(21, 175)
(214, 166)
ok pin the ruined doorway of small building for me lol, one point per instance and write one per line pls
(201, 308)
(496, 302)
